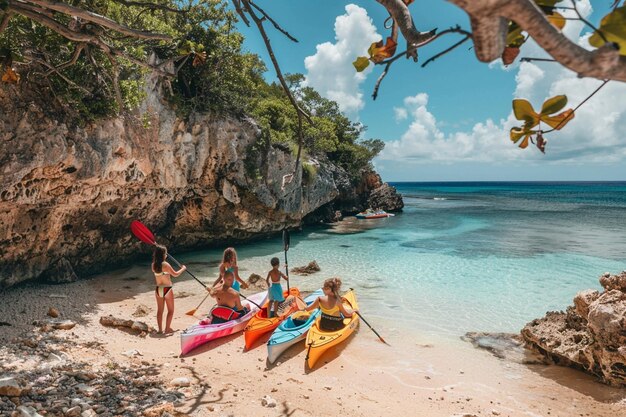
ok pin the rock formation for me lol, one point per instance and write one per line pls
(68, 193)
(591, 335)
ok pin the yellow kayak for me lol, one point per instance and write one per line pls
(318, 341)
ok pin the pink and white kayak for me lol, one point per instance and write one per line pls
(200, 334)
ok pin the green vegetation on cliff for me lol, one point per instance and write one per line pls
(87, 68)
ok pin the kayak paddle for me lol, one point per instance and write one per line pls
(368, 325)
(286, 240)
(192, 312)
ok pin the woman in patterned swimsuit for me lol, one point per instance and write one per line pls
(163, 272)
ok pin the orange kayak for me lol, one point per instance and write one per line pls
(261, 323)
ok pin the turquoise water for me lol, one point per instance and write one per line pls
(464, 256)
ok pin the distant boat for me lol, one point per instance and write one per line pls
(371, 214)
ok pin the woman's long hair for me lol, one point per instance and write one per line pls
(335, 285)
(230, 256)
(158, 257)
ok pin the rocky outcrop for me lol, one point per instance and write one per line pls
(386, 198)
(591, 335)
(68, 193)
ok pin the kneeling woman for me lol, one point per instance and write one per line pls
(333, 310)
(229, 305)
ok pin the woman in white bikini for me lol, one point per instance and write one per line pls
(163, 273)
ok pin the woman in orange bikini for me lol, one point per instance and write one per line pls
(163, 272)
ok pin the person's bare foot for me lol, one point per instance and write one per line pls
(160, 332)
(169, 330)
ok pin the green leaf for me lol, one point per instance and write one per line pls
(549, 3)
(613, 27)
(361, 63)
(553, 105)
(523, 110)
(515, 37)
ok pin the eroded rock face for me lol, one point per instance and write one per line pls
(68, 194)
(387, 198)
(590, 336)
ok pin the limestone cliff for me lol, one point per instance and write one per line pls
(68, 194)
(591, 335)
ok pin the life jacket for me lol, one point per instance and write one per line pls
(222, 314)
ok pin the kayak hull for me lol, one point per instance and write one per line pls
(200, 334)
(288, 333)
(319, 341)
(260, 323)
(373, 216)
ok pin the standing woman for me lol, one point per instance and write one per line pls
(229, 264)
(163, 273)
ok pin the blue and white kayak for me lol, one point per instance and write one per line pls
(293, 329)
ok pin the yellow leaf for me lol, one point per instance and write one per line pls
(379, 52)
(613, 27)
(553, 105)
(524, 143)
(10, 76)
(560, 120)
(361, 63)
(523, 110)
(516, 134)
(557, 20)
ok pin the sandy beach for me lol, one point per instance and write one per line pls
(415, 375)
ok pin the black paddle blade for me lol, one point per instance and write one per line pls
(286, 239)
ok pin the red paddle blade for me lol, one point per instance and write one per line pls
(142, 232)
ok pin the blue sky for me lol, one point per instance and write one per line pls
(450, 120)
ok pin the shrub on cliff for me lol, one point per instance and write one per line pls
(331, 134)
(81, 64)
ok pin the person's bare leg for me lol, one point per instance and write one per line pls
(160, 304)
(169, 300)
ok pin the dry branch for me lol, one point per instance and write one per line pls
(489, 27)
(94, 18)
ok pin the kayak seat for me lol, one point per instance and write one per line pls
(221, 314)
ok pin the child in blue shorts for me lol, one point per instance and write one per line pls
(275, 290)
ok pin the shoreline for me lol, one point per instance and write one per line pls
(432, 376)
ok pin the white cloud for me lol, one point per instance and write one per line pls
(596, 135)
(330, 70)
(400, 113)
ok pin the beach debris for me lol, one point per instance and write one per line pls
(311, 268)
(180, 382)
(54, 324)
(268, 402)
(10, 387)
(254, 278)
(141, 311)
(53, 312)
(74, 411)
(137, 326)
(132, 353)
(495, 412)
(26, 411)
